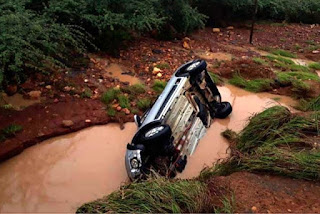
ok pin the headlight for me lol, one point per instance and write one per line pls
(134, 163)
(154, 131)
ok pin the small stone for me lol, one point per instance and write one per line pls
(100, 80)
(159, 75)
(119, 108)
(230, 28)
(315, 52)
(216, 30)
(289, 210)
(127, 111)
(254, 209)
(67, 123)
(186, 45)
(86, 80)
(48, 87)
(34, 94)
(156, 70)
(88, 121)
(67, 88)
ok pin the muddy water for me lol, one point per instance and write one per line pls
(220, 56)
(61, 174)
(117, 71)
(17, 101)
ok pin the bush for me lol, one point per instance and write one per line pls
(144, 104)
(110, 95)
(158, 86)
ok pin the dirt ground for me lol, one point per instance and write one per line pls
(254, 193)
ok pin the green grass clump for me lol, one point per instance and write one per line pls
(7, 106)
(111, 112)
(315, 66)
(158, 86)
(123, 101)
(229, 205)
(257, 85)
(298, 75)
(163, 66)
(110, 95)
(153, 196)
(278, 142)
(135, 89)
(309, 105)
(143, 104)
(259, 61)
(300, 68)
(10, 131)
(87, 93)
(216, 78)
(280, 59)
(284, 53)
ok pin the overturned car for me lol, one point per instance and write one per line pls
(176, 122)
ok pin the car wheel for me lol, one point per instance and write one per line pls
(193, 69)
(224, 109)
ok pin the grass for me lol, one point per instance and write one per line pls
(143, 104)
(315, 66)
(10, 131)
(163, 66)
(7, 106)
(309, 105)
(229, 205)
(87, 93)
(280, 59)
(278, 142)
(257, 85)
(111, 112)
(284, 53)
(259, 61)
(292, 76)
(153, 196)
(158, 86)
(108, 96)
(216, 78)
(123, 101)
(135, 89)
(298, 68)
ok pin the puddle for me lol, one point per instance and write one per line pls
(220, 56)
(117, 71)
(61, 174)
(17, 101)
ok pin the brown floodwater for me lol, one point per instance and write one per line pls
(61, 174)
(118, 71)
(17, 101)
(220, 56)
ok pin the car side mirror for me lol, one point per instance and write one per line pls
(137, 120)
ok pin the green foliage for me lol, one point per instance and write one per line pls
(315, 66)
(111, 112)
(280, 59)
(309, 105)
(163, 65)
(10, 131)
(284, 53)
(144, 104)
(153, 196)
(229, 205)
(110, 95)
(87, 93)
(135, 89)
(158, 86)
(259, 61)
(256, 85)
(216, 78)
(123, 101)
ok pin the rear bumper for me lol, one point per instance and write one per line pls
(132, 172)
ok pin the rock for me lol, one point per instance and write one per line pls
(216, 30)
(11, 89)
(156, 70)
(254, 209)
(156, 51)
(186, 45)
(159, 75)
(86, 80)
(49, 87)
(127, 111)
(119, 108)
(88, 121)
(67, 88)
(315, 52)
(34, 94)
(230, 28)
(67, 123)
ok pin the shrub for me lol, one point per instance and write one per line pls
(11, 130)
(123, 101)
(110, 95)
(158, 86)
(144, 104)
(284, 53)
(111, 112)
(315, 66)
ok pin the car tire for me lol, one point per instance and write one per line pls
(224, 109)
(192, 69)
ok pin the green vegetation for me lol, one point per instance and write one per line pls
(10, 131)
(229, 205)
(87, 93)
(158, 86)
(280, 59)
(123, 101)
(163, 66)
(256, 85)
(144, 104)
(284, 53)
(216, 78)
(154, 196)
(111, 112)
(259, 61)
(110, 95)
(135, 89)
(309, 105)
(315, 66)
(278, 142)
(7, 106)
